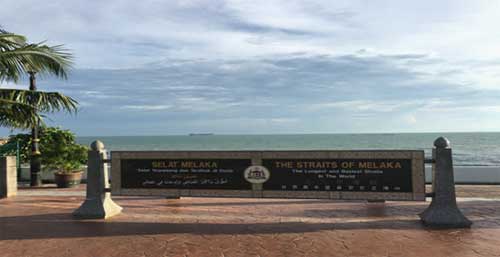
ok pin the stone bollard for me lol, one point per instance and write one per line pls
(443, 211)
(8, 176)
(98, 204)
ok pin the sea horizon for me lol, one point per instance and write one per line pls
(278, 134)
(469, 148)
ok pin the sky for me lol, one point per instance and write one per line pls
(270, 67)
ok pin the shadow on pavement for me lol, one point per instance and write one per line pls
(61, 225)
(485, 214)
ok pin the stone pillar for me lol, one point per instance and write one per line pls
(8, 176)
(443, 210)
(98, 204)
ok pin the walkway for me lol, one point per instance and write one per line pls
(38, 222)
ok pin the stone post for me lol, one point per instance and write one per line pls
(443, 211)
(98, 204)
(8, 176)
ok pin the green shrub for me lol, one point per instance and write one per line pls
(24, 145)
(58, 149)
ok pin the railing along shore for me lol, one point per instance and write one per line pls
(486, 175)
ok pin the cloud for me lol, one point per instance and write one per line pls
(9, 84)
(366, 105)
(288, 66)
(127, 33)
(146, 107)
(287, 93)
(411, 119)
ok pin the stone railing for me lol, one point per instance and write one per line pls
(442, 211)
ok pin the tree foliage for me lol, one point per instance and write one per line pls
(57, 146)
(17, 115)
(22, 108)
(17, 57)
(17, 107)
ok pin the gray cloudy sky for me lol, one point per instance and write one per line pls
(175, 67)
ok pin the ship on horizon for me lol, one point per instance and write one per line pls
(201, 134)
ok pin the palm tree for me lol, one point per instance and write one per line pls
(16, 111)
(18, 57)
(22, 108)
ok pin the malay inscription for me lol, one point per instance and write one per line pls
(359, 175)
(184, 173)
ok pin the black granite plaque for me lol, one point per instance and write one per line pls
(357, 175)
(184, 173)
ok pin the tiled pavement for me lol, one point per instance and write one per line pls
(38, 223)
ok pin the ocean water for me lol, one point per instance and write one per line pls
(482, 149)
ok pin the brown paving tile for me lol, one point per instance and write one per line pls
(41, 225)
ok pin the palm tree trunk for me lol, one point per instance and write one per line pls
(35, 162)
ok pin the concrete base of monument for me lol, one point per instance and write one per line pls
(154, 226)
(97, 209)
(447, 217)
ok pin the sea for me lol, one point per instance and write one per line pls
(469, 149)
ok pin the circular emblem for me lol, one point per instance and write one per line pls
(257, 174)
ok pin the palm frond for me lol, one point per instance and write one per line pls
(42, 101)
(22, 108)
(17, 58)
(11, 40)
(18, 115)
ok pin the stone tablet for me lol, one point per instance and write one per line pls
(352, 175)
(185, 173)
(363, 175)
